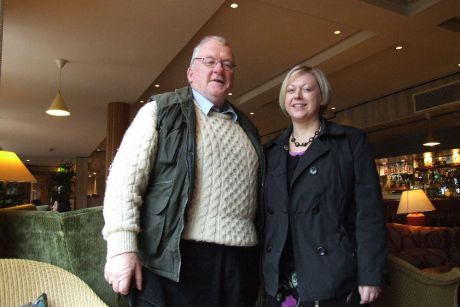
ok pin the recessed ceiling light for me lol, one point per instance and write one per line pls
(337, 32)
(252, 113)
(332, 108)
(234, 5)
(399, 47)
(157, 85)
(141, 101)
(230, 94)
(457, 65)
(28, 160)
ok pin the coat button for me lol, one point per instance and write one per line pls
(269, 249)
(321, 250)
(315, 209)
(285, 147)
(313, 170)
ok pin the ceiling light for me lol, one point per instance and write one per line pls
(234, 5)
(229, 94)
(58, 107)
(399, 47)
(337, 32)
(142, 101)
(430, 141)
(157, 85)
(252, 113)
(332, 108)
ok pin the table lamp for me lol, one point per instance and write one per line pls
(13, 170)
(414, 202)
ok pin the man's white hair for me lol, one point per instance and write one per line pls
(206, 39)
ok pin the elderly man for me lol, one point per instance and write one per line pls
(182, 195)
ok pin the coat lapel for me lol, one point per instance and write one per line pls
(316, 150)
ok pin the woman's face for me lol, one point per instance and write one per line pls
(303, 98)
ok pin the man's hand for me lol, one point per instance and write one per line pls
(120, 269)
(368, 293)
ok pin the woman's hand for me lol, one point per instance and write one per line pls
(368, 293)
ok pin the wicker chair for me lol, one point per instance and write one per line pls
(22, 281)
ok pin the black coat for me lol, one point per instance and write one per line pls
(335, 211)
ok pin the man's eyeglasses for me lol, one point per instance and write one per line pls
(212, 62)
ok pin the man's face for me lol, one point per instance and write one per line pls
(212, 82)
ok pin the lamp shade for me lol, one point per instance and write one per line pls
(12, 168)
(414, 201)
(58, 107)
(430, 141)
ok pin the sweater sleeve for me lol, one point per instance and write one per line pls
(127, 181)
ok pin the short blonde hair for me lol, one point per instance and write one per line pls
(323, 84)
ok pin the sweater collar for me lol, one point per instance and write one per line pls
(207, 106)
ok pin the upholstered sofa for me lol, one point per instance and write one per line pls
(424, 266)
(69, 240)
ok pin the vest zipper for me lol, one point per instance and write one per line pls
(317, 303)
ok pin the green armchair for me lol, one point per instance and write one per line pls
(412, 287)
(424, 267)
(70, 240)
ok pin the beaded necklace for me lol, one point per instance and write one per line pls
(305, 144)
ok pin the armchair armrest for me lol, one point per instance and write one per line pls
(409, 286)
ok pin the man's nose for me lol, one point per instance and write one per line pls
(219, 66)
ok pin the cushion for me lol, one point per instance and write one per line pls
(41, 301)
(404, 237)
(425, 257)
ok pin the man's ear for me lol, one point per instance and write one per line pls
(189, 75)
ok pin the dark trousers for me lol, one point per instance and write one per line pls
(211, 276)
(335, 302)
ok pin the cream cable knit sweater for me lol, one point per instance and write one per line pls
(224, 200)
(223, 205)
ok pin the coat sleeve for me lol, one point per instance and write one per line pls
(370, 219)
(127, 181)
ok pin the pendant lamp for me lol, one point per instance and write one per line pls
(58, 107)
(430, 141)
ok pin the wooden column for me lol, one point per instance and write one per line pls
(117, 123)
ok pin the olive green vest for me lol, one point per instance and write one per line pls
(171, 181)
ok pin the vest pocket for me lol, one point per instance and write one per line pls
(169, 144)
(153, 216)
